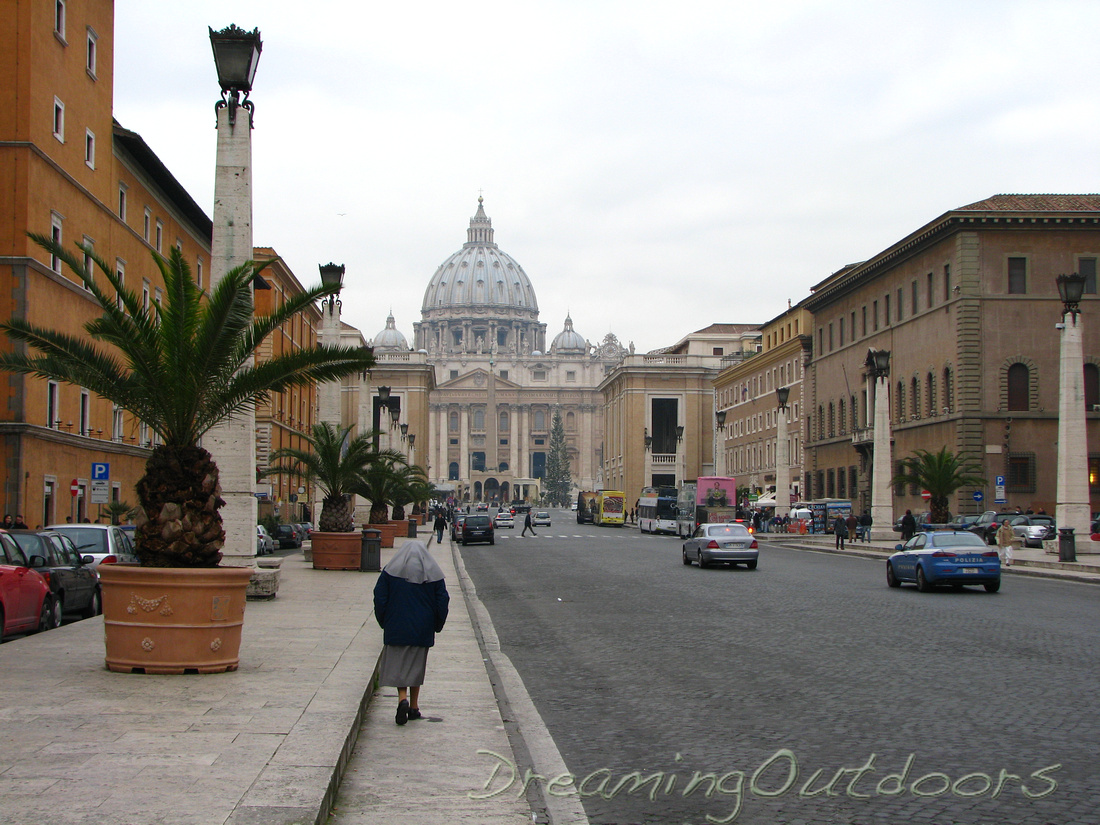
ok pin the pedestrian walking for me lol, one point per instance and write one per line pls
(852, 525)
(1004, 543)
(410, 604)
(865, 522)
(527, 525)
(840, 530)
(908, 526)
(439, 525)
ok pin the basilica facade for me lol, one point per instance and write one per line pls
(498, 381)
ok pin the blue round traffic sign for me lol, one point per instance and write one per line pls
(978, 495)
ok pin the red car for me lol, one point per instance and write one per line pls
(25, 601)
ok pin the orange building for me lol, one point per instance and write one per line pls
(69, 171)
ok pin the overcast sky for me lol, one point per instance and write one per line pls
(654, 167)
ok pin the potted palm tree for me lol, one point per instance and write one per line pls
(335, 462)
(941, 474)
(382, 483)
(181, 366)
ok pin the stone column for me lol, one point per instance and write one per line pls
(513, 440)
(1072, 508)
(782, 464)
(464, 444)
(443, 441)
(328, 393)
(524, 442)
(232, 443)
(882, 506)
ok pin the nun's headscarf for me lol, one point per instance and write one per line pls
(413, 563)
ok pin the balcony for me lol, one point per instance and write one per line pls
(663, 459)
(863, 435)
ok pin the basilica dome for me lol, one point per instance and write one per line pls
(480, 275)
(391, 337)
(568, 340)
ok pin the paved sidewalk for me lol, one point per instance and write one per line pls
(265, 744)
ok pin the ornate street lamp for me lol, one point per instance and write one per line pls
(404, 432)
(1072, 511)
(648, 439)
(332, 275)
(679, 433)
(719, 448)
(782, 452)
(236, 55)
(882, 507)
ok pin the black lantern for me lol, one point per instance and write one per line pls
(404, 431)
(383, 393)
(720, 417)
(679, 433)
(1070, 289)
(412, 439)
(781, 395)
(236, 56)
(332, 275)
(648, 438)
(878, 361)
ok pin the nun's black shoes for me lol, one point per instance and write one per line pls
(403, 712)
(414, 713)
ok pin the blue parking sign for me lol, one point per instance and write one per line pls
(101, 471)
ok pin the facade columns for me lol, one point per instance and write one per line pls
(1072, 508)
(525, 441)
(464, 444)
(513, 441)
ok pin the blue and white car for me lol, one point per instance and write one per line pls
(948, 557)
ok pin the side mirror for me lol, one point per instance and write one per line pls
(37, 561)
(899, 547)
(87, 559)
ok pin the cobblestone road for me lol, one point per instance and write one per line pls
(892, 706)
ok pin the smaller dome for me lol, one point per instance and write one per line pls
(391, 337)
(568, 340)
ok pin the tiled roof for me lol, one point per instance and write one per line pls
(1035, 203)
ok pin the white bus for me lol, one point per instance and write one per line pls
(657, 510)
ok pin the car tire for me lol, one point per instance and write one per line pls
(46, 617)
(684, 552)
(492, 541)
(923, 584)
(751, 565)
(95, 605)
(992, 587)
(702, 562)
(891, 578)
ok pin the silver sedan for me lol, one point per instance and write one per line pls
(722, 544)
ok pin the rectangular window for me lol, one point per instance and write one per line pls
(53, 409)
(1094, 473)
(841, 332)
(55, 236)
(1087, 267)
(59, 19)
(1017, 276)
(874, 314)
(852, 328)
(198, 273)
(93, 42)
(538, 375)
(1021, 473)
(570, 375)
(916, 299)
(886, 313)
(830, 336)
(89, 148)
(145, 294)
(929, 290)
(116, 424)
(830, 483)
(864, 322)
(87, 258)
(901, 298)
(85, 413)
(504, 374)
(120, 271)
(454, 375)
(59, 119)
(146, 223)
(122, 201)
(717, 351)
(947, 282)
(160, 236)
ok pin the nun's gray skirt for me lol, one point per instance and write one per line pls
(402, 665)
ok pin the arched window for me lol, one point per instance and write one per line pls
(452, 471)
(540, 420)
(1019, 386)
(832, 419)
(570, 421)
(504, 421)
(843, 417)
(930, 393)
(453, 422)
(479, 419)
(1092, 387)
(915, 401)
(900, 406)
(820, 421)
(948, 391)
(855, 414)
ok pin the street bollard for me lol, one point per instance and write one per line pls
(370, 554)
(412, 528)
(1067, 545)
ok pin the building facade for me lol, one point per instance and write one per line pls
(967, 306)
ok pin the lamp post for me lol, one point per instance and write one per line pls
(232, 443)
(782, 453)
(328, 402)
(1072, 512)
(719, 442)
(882, 507)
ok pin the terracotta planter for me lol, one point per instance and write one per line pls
(169, 620)
(390, 530)
(336, 551)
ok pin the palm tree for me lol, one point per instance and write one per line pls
(181, 366)
(116, 511)
(335, 463)
(941, 474)
(381, 483)
(414, 489)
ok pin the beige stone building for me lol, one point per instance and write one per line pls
(967, 307)
(659, 409)
(746, 391)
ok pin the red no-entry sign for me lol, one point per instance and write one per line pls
(927, 496)
(74, 488)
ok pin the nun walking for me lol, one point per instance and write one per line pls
(410, 603)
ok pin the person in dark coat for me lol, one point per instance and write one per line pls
(527, 525)
(840, 531)
(852, 525)
(439, 525)
(410, 604)
(865, 522)
(908, 526)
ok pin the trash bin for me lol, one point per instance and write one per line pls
(1067, 544)
(370, 554)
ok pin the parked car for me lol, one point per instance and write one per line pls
(924, 521)
(456, 526)
(951, 557)
(478, 527)
(715, 543)
(541, 519)
(265, 544)
(307, 528)
(73, 583)
(286, 535)
(573, 506)
(105, 543)
(1034, 529)
(504, 519)
(986, 525)
(26, 604)
(962, 522)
